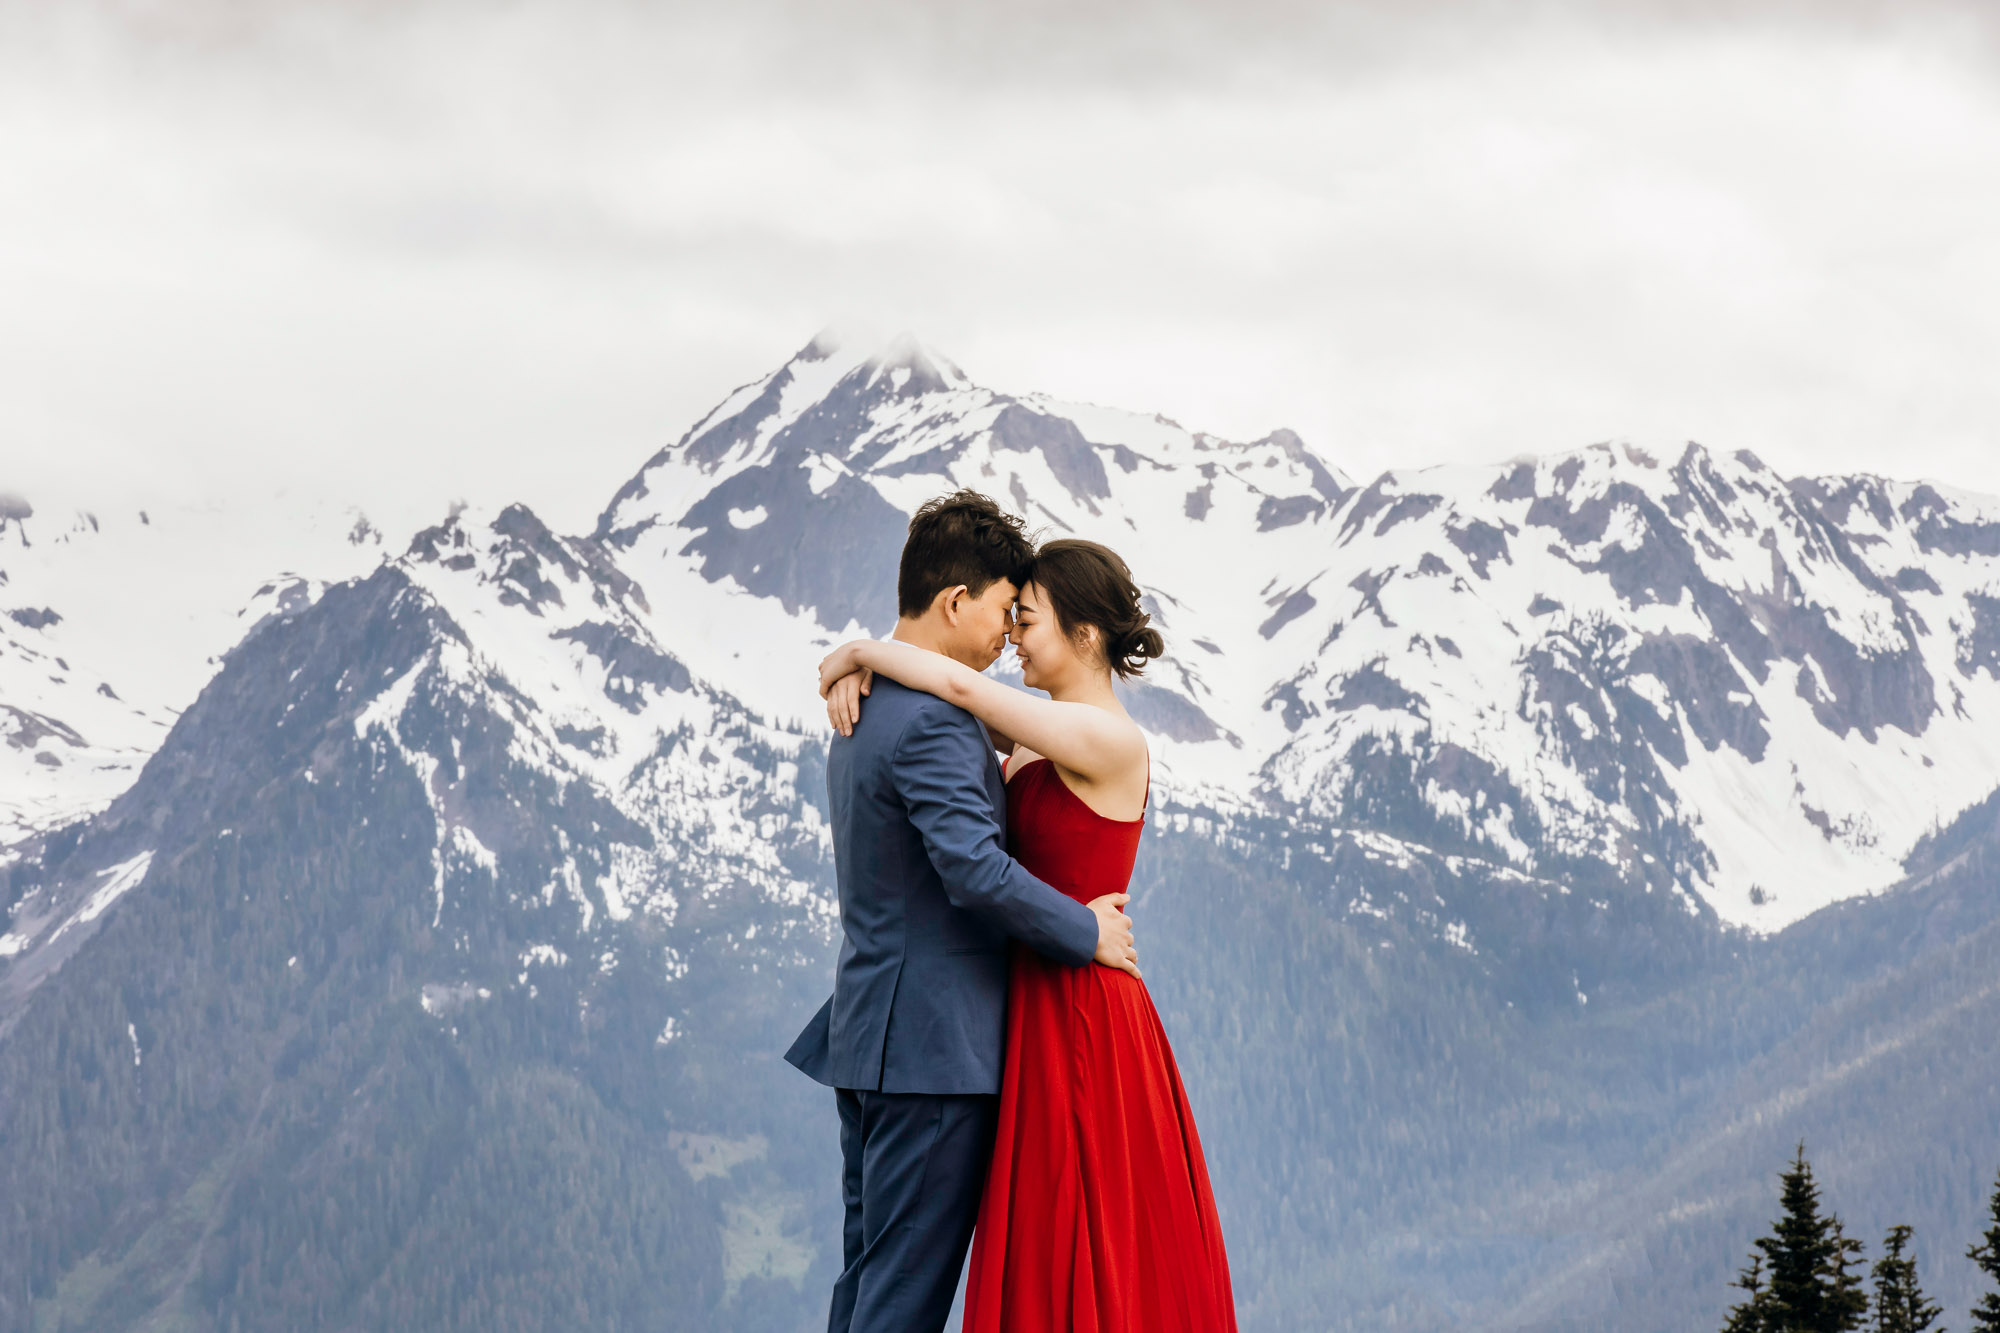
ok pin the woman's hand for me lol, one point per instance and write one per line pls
(842, 683)
(843, 700)
(842, 661)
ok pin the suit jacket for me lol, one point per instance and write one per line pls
(928, 898)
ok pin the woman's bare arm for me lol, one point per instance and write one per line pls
(1085, 740)
(1002, 742)
(843, 708)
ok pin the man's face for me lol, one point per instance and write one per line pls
(984, 622)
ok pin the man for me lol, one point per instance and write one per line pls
(912, 1039)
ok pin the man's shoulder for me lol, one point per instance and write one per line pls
(918, 706)
(893, 715)
(915, 717)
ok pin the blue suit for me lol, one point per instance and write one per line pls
(913, 1039)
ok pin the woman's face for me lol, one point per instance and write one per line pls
(1046, 653)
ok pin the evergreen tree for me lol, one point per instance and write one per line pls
(1847, 1295)
(1986, 1314)
(1900, 1306)
(1753, 1315)
(1813, 1285)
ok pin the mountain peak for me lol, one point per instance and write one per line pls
(913, 367)
(854, 346)
(826, 343)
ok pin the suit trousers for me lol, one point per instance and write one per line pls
(913, 1166)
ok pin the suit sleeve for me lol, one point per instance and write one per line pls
(937, 770)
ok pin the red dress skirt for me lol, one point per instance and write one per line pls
(1097, 1216)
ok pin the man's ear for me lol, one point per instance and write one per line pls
(947, 602)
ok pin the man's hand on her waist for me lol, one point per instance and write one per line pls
(1114, 933)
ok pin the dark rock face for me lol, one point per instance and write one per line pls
(1283, 513)
(530, 545)
(1979, 643)
(1288, 608)
(1481, 543)
(1938, 530)
(713, 444)
(1166, 713)
(1407, 509)
(1371, 687)
(1383, 499)
(1703, 684)
(1854, 692)
(628, 663)
(1291, 705)
(830, 553)
(1060, 443)
(25, 729)
(1370, 584)
(1325, 484)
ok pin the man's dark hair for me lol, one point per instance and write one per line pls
(960, 538)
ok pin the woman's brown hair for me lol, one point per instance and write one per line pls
(1088, 585)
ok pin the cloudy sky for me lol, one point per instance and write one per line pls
(402, 253)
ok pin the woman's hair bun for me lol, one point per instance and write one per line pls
(1088, 586)
(1137, 646)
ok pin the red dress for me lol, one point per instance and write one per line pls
(1097, 1216)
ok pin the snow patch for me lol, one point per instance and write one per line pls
(117, 881)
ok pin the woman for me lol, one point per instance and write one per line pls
(1097, 1215)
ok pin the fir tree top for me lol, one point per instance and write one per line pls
(1986, 1313)
(1900, 1305)
(1802, 1278)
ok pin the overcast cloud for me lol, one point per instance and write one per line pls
(408, 253)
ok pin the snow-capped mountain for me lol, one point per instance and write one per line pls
(557, 641)
(434, 970)
(774, 526)
(1676, 671)
(1686, 669)
(1682, 671)
(111, 620)
(537, 649)
(455, 813)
